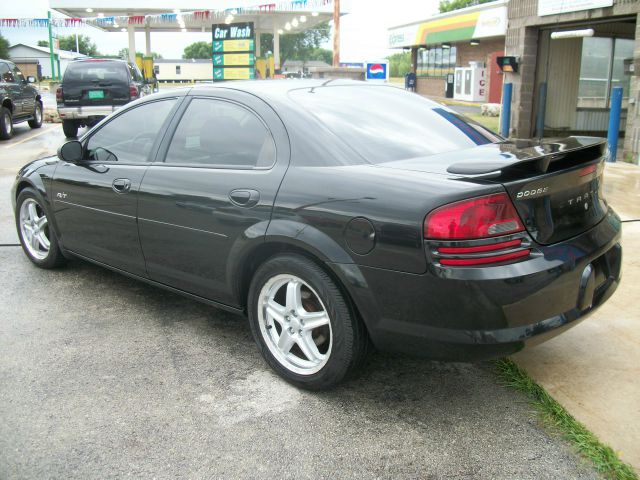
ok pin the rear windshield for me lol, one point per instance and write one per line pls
(95, 72)
(385, 123)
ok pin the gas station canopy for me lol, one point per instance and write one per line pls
(196, 15)
(148, 16)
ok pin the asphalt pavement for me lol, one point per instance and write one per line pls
(105, 377)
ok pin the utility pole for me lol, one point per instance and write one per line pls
(336, 33)
(51, 56)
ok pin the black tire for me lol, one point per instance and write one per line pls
(54, 257)
(36, 122)
(70, 128)
(6, 123)
(350, 342)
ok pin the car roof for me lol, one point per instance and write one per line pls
(274, 88)
(97, 60)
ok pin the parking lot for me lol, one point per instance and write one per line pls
(102, 377)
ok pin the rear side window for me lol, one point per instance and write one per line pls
(384, 124)
(135, 72)
(128, 138)
(95, 72)
(221, 134)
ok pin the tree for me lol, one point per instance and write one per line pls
(86, 46)
(451, 5)
(399, 64)
(321, 54)
(4, 47)
(198, 50)
(123, 53)
(43, 43)
(299, 46)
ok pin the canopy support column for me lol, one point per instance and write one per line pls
(132, 43)
(147, 37)
(276, 48)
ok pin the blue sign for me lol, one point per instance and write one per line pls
(377, 71)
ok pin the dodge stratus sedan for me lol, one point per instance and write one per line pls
(337, 216)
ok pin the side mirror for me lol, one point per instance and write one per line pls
(70, 151)
(31, 79)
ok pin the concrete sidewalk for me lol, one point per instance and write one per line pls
(593, 369)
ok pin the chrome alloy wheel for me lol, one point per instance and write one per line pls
(294, 324)
(34, 229)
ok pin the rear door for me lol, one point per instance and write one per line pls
(95, 83)
(213, 187)
(27, 98)
(95, 201)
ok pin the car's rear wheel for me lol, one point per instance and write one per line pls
(70, 128)
(36, 122)
(6, 123)
(36, 232)
(306, 329)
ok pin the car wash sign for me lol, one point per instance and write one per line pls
(233, 51)
(377, 71)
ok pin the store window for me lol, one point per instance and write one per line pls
(436, 61)
(601, 69)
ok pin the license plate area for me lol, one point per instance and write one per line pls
(96, 94)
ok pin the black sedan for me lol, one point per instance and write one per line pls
(336, 215)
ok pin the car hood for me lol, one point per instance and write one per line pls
(485, 159)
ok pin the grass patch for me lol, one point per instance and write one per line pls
(554, 415)
(492, 123)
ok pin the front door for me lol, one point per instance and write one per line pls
(213, 188)
(27, 97)
(95, 201)
(10, 84)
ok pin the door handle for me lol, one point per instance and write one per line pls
(244, 197)
(121, 185)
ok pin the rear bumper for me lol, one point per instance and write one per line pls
(466, 314)
(76, 113)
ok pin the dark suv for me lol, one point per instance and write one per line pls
(93, 88)
(21, 102)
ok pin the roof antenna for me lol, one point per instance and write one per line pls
(324, 84)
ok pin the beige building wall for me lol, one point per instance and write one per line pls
(523, 40)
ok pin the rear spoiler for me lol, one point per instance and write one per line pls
(527, 155)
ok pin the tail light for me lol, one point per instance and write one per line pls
(59, 95)
(479, 218)
(133, 91)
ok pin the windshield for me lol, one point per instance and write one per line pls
(95, 72)
(384, 124)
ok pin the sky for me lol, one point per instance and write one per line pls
(363, 31)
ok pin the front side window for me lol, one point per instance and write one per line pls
(17, 74)
(6, 73)
(129, 137)
(221, 134)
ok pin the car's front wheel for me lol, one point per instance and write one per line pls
(305, 327)
(36, 121)
(70, 128)
(36, 232)
(6, 123)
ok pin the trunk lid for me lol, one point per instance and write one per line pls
(556, 187)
